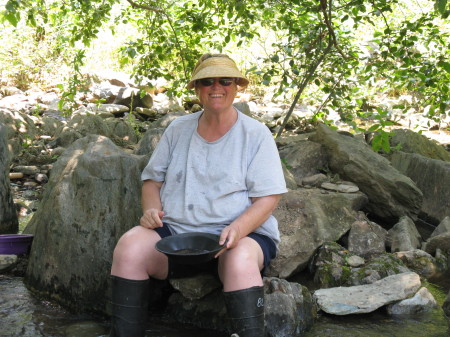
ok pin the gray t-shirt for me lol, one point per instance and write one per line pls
(207, 185)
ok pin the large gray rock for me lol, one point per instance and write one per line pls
(391, 194)
(9, 222)
(91, 199)
(404, 236)
(432, 177)
(412, 142)
(303, 158)
(307, 218)
(369, 297)
(289, 309)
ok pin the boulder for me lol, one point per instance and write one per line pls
(413, 142)
(91, 199)
(369, 297)
(366, 238)
(422, 301)
(404, 236)
(430, 176)
(9, 223)
(307, 218)
(391, 194)
(303, 158)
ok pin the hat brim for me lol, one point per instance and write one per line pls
(215, 71)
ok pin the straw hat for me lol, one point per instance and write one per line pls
(216, 65)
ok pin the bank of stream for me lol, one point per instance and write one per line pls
(21, 314)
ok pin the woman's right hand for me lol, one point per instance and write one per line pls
(152, 218)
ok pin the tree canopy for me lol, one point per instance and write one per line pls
(335, 53)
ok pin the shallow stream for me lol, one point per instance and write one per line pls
(23, 315)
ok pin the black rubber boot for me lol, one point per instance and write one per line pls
(246, 311)
(129, 307)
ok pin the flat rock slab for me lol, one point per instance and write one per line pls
(367, 298)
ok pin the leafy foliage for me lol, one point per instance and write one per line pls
(336, 55)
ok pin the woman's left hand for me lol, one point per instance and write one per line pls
(230, 236)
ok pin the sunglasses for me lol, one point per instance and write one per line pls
(225, 81)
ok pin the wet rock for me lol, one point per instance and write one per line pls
(422, 301)
(367, 298)
(420, 262)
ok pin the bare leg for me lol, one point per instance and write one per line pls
(239, 268)
(136, 258)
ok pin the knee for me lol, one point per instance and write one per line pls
(131, 244)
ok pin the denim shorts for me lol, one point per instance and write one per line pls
(176, 270)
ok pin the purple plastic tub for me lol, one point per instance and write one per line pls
(15, 244)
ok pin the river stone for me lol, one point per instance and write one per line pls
(441, 241)
(391, 194)
(9, 223)
(430, 176)
(7, 260)
(369, 297)
(404, 236)
(307, 218)
(422, 301)
(366, 238)
(419, 261)
(289, 308)
(91, 199)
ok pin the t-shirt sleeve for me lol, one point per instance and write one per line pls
(265, 173)
(157, 165)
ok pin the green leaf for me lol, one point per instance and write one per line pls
(445, 65)
(440, 6)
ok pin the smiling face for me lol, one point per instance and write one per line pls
(216, 97)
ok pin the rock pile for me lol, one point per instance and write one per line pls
(352, 217)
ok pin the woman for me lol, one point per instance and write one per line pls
(215, 171)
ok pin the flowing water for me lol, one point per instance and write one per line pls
(23, 315)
